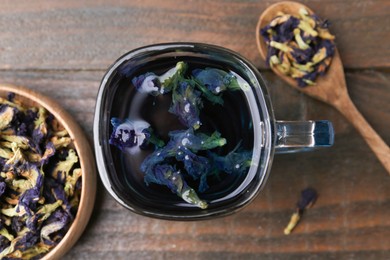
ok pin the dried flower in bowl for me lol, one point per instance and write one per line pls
(299, 46)
(41, 180)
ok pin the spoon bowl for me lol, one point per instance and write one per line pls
(330, 88)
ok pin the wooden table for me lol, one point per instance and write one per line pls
(62, 49)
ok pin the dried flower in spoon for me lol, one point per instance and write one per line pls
(299, 46)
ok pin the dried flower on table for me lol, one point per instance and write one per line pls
(299, 46)
(37, 183)
(307, 199)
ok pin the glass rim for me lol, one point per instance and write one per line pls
(267, 127)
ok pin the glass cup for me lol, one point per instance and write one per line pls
(247, 117)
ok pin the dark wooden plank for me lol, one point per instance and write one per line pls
(349, 220)
(92, 34)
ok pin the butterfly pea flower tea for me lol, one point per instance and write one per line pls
(186, 131)
(189, 155)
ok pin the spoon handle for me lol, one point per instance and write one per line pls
(376, 143)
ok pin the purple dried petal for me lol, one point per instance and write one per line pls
(50, 150)
(302, 56)
(265, 34)
(59, 194)
(285, 32)
(30, 239)
(17, 224)
(4, 243)
(3, 187)
(10, 96)
(308, 197)
(329, 46)
(29, 200)
(271, 52)
(56, 225)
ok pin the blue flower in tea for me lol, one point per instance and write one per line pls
(216, 80)
(186, 104)
(147, 83)
(183, 146)
(181, 143)
(235, 162)
(168, 176)
(156, 85)
(131, 135)
(196, 166)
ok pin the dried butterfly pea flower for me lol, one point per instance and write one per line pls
(302, 41)
(6, 116)
(31, 170)
(62, 168)
(306, 200)
(14, 103)
(71, 181)
(40, 126)
(51, 228)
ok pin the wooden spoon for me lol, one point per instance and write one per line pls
(330, 88)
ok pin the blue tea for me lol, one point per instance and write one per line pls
(181, 133)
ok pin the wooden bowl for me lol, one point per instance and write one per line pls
(86, 159)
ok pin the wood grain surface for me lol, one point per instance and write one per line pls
(91, 34)
(62, 49)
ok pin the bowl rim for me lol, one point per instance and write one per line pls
(86, 159)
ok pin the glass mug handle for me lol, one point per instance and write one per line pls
(297, 136)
